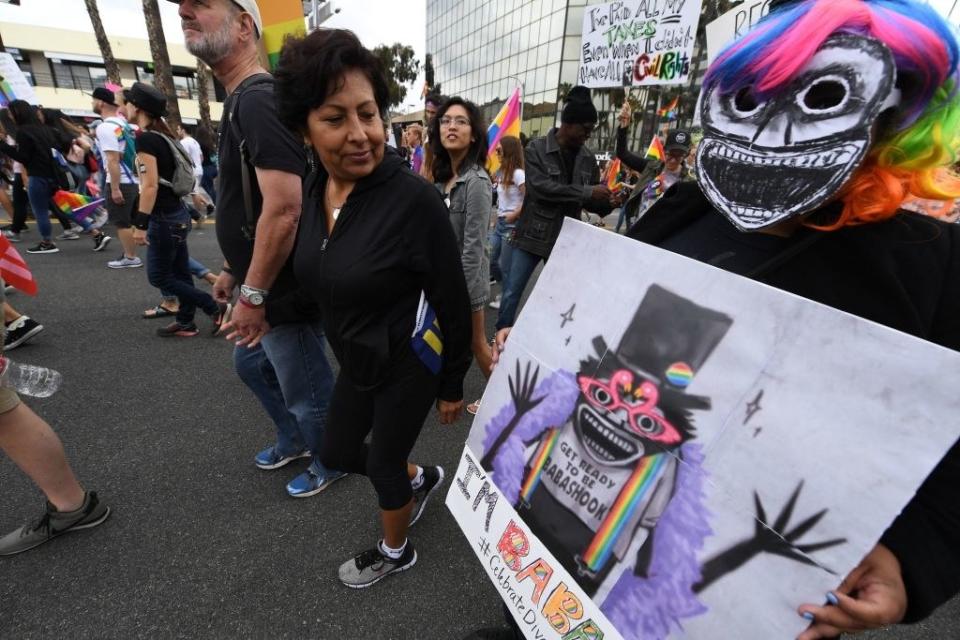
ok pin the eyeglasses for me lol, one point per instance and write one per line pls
(460, 121)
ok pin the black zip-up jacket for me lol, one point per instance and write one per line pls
(903, 273)
(391, 241)
(33, 148)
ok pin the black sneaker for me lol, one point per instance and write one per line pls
(55, 523)
(177, 330)
(100, 241)
(370, 567)
(432, 478)
(19, 331)
(221, 317)
(44, 247)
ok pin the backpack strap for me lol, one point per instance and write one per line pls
(249, 226)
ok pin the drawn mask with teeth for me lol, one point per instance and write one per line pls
(763, 161)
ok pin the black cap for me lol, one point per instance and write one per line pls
(102, 93)
(677, 139)
(147, 98)
(578, 107)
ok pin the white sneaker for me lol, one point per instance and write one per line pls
(495, 303)
(68, 235)
(123, 262)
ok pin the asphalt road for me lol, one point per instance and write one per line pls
(201, 544)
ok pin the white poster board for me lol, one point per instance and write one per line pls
(13, 84)
(680, 450)
(638, 43)
(733, 25)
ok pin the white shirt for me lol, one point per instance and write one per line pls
(110, 138)
(510, 198)
(192, 147)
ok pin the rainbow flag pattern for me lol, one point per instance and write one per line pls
(669, 110)
(642, 481)
(536, 467)
(507, 123)
(613, 172)
(77, 207)
(281, 18)
(656, 150)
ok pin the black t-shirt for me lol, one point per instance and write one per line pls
(154, 144)
(270, 145)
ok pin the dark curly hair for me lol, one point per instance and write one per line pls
(311, 68)
(477, 152)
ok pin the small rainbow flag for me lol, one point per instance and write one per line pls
(669, 111)
(536, 467)
(281, 18)
(656, 150)
(78, 208)
(641, 482)
(613, 172)
(507, 123)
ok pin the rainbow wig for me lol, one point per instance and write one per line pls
(910, 156)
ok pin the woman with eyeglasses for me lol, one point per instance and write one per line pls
(458, 137)
(510, 193)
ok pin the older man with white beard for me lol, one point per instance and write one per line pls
(280, 342)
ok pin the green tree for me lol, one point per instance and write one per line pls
(401, 69)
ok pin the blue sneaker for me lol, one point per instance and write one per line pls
(270, 458)
(309, 483)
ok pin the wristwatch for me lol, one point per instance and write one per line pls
(252, 296)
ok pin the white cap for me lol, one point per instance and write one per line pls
(250, 6)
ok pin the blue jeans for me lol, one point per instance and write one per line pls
(196, 269)
(209, 173)
(290, 375)
(498, 238)
(522, 265)
(168, 263)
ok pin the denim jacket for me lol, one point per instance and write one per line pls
(471, 203)
(549, 198)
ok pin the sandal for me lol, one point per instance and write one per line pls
(158, 311)
(473, 407)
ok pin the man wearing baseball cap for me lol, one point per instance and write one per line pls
(258, 210)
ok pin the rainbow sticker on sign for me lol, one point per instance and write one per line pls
(281, 18)
(679, 374)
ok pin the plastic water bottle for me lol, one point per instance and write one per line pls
(29, 379)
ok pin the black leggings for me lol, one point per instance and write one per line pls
(393, 414)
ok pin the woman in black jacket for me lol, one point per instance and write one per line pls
(376, 249)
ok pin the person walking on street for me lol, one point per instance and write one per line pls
(280, 340)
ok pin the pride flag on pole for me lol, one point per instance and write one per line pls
(78, 208)
(281, 18)
(14, 270)
(507, 123)
(613, 172)
(669, 111)
(655, 150)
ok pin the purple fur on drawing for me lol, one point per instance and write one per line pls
(652, 607)
(560, 393)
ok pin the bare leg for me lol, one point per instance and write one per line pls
(481, 350)
(126, 239)
(9, 313)
(210, 278)
(36, 449)
(395, 525)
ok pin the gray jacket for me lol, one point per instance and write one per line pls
(550, 198)
(470, 204)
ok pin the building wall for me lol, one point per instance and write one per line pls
(40, 46)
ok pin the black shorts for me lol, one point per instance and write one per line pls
(121, 215)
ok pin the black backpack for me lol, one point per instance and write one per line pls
(249, 225)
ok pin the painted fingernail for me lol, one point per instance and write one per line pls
(806, 615)
(832, 599)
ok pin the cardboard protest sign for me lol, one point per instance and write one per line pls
(13, 84)
(638, 43)
(679, 450)
(734, 24)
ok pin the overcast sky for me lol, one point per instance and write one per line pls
(374, 21)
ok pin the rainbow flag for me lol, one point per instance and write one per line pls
(78, 208)
(281, 18)
(537, 464)
(613, 172)
(641, 482)
(656, 150)
(507, 123)
(669, 111)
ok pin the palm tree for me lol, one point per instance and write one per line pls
(203, 96)
(163, 72)
(109, 62)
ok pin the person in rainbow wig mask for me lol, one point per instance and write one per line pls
(818, 125)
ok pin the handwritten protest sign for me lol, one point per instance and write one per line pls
(638, 43)
(686, 450)
(13, 84)
(733, 24)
